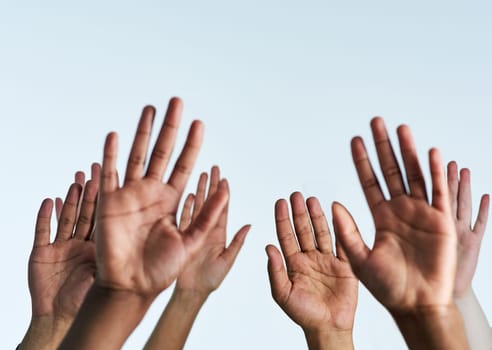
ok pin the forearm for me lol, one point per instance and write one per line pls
(439, 327)
(44, 333)
(326, 340)
(176, 321)
(106, 319)
(476, 325)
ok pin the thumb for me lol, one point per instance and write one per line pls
(277, 274)
(348, 236)
(231, 252)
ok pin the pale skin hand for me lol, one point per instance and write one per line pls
(411, 266)
(469, 238)
(201, 275)
(61, 272)
(139, 248)
(469, 241)
(318, 290)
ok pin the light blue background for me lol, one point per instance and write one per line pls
(282, 86)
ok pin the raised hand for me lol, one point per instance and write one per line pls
(318, 290)
(469, 241)
(411, 266)
(201, 275)
(469, 238)
(61, 272)
(211, 264)
(137, 231)
(139, 248)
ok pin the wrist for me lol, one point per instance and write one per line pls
(189, 298)
(94, 326)
(45, 332)
(193, 293)
(109, 293)
(432, 327)
(329, 339)
(462, 294)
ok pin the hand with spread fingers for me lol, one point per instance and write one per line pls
(208, 269)
(201, 275)
(469, 241)
(469, 238)
(411, 266)
(61, 273)
(318, 290)
(139, 248)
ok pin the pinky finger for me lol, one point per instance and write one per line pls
(483, 215)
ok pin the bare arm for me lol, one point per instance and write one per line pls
(469, 242)
(61, 272)
(476, 324)
(411, 267)
(139, 248)
(200, 277)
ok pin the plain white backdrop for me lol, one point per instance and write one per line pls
(282, 86)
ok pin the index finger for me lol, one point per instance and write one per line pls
(285, 233)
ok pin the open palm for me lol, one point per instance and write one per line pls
(61, 273)
(469, 238)
(318, 290)
(139, 246)
(211, 264)
(412, 262)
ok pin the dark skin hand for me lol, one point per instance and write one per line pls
(61, 272)
(411, 267)
(140, 250)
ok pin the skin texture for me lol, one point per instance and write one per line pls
(318, 290)
(202, 275)
(469, 237)
(469, 240)
(139, 249)
(61, 272)
(418, 237)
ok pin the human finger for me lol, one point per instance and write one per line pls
(85, 220)
(320, 225)
(387, 160)
(69, 213)
(414, 175)
(186, 160)
(302, 222)
(43, 224)
(138, 153)
(367, 177)
(164, 145)
(285, 232)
